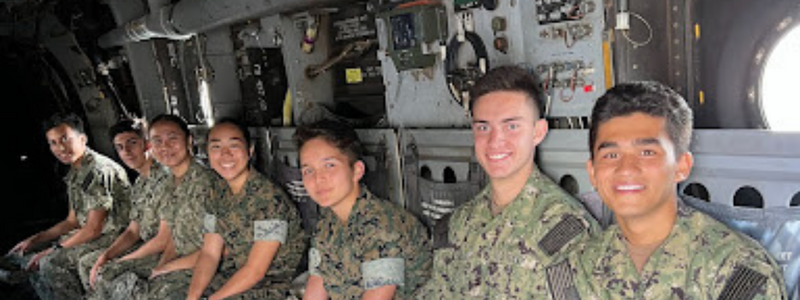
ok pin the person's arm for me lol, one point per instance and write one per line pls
(381, 277)
(123, 242)
(54, 232)
(90, 231)
(206, 265)
(155, 245)
(385, 292)
(57, 230)
(258, 262)
(182, 263)
(315, 289)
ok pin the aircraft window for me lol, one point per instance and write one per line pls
(779, 79)
(795, 200)
(748, 196)
(697, 190)
(425, 172)
(449, 175)
(569, 184)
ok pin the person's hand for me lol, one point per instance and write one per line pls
(22, 247)
(124, 258)
(158, 272)
(96, 269)
(33, 264)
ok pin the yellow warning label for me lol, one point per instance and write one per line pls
(354, 76)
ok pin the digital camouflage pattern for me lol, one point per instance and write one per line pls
(58, 276)
(696, 261)
(260, 212)
(505, 256)
(182, 206)
(144, 199)
(115, 279)
(144, 212)
(100, 183)
(378, 233)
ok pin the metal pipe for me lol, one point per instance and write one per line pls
(189, 17)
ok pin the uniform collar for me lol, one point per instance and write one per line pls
(521, 202)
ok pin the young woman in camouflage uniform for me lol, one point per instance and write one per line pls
(253, 238)
(364, 247)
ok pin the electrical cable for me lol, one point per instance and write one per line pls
(456, 78)
(649, 32)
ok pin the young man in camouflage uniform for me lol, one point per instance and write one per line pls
(364, 247)
(660, 248)
(182, 201)
(97, 189)
(511, 241)
(253, 238)
(130, 141)
(179, 200)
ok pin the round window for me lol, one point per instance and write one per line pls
(779, 99)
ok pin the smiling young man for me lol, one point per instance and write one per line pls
(97, 190)
(659, 247)
(510, 241)
(364, 247)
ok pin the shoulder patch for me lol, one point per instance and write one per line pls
(441, 233)
(87, 181)
(567, 229)
(744, 284)
(561, 282)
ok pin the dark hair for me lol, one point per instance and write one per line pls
(507, 79)
(70, 119)
(236, 123)
(650, 98)
(175, 119)
(135, 125)
(339, 134)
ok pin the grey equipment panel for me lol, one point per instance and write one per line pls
(440, 171)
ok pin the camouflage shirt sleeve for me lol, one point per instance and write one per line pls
(748, 272)
(383, 256)
(97, 191)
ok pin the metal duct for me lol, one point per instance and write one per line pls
(188, 17)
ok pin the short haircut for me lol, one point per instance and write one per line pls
(236, 123)
(175, 119)
(339, 134)
(507, 79)
(135, 125)
(650, 98)
(70, 119)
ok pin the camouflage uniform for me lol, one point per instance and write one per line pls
(700, 259)
(381, 245)
(261, 212)
(182, 206)
(143, 212)
(100, 183)
(508, 256)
